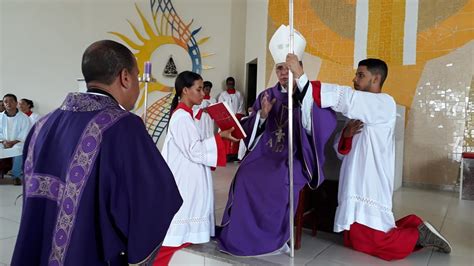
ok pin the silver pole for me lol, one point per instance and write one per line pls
(290, 135)
(147, 79)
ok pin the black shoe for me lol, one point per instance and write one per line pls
(232, 158)
(430, 237)
(17, 181)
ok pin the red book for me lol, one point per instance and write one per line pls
(225, 119)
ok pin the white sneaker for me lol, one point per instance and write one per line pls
(430, 237)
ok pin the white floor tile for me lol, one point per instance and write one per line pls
(220, 198)
(461, 210)
(11, 212)
(441, 259)
(223, 176)
(6, 250)
(222, 182)
(8, 228)
(426, 201)
(310, 247)
(340, 255)
(182, 257)
(460, 235)
(8, 195)
(213, 262)
(218, 215)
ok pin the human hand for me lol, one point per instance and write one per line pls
(294, 65)
(8, 144)
(267, 105)
(353, 128)
(227, 134)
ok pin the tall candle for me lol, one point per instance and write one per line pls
(148, 68)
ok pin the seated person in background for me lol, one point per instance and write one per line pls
(25, 106)
(2, 107)
(14, 127)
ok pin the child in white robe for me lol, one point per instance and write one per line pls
(204, 121)
(190, 158)
(235, 101)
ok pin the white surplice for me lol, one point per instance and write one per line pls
(205, 124)
(235, 101)
(190, 157)
(13, 128)
(367, 172)
(34, 117)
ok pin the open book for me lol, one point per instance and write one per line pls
(225, 119)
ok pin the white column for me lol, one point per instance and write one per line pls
(361, 31)
(410, 33)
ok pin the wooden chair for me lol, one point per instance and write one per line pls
(316, 209)
(305, 213)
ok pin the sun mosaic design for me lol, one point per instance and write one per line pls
(165, 28)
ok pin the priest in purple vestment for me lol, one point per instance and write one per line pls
(256, 218)
(97, 191)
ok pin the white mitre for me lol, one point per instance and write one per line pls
(280, 43)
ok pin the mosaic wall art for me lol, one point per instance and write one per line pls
(163, 26)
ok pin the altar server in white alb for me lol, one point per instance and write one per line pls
(364, 209)
(203, 119)
(190, 158)
(235, 101)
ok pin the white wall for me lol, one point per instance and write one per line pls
(237, 44)
(1, 48)
(40, 50)
(41, 42)
(256, 38)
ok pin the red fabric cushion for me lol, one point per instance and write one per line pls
(468, 155)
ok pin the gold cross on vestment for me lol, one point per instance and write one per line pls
(279, 133)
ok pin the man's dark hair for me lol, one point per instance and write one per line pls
(207, 84)
(28, 102)
(11, 96)
(185, 79)
(104, 60)
(230, 79)
(376, 66)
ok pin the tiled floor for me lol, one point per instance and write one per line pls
(455, 219)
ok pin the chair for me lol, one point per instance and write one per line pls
(316, 209)
(305, 212)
